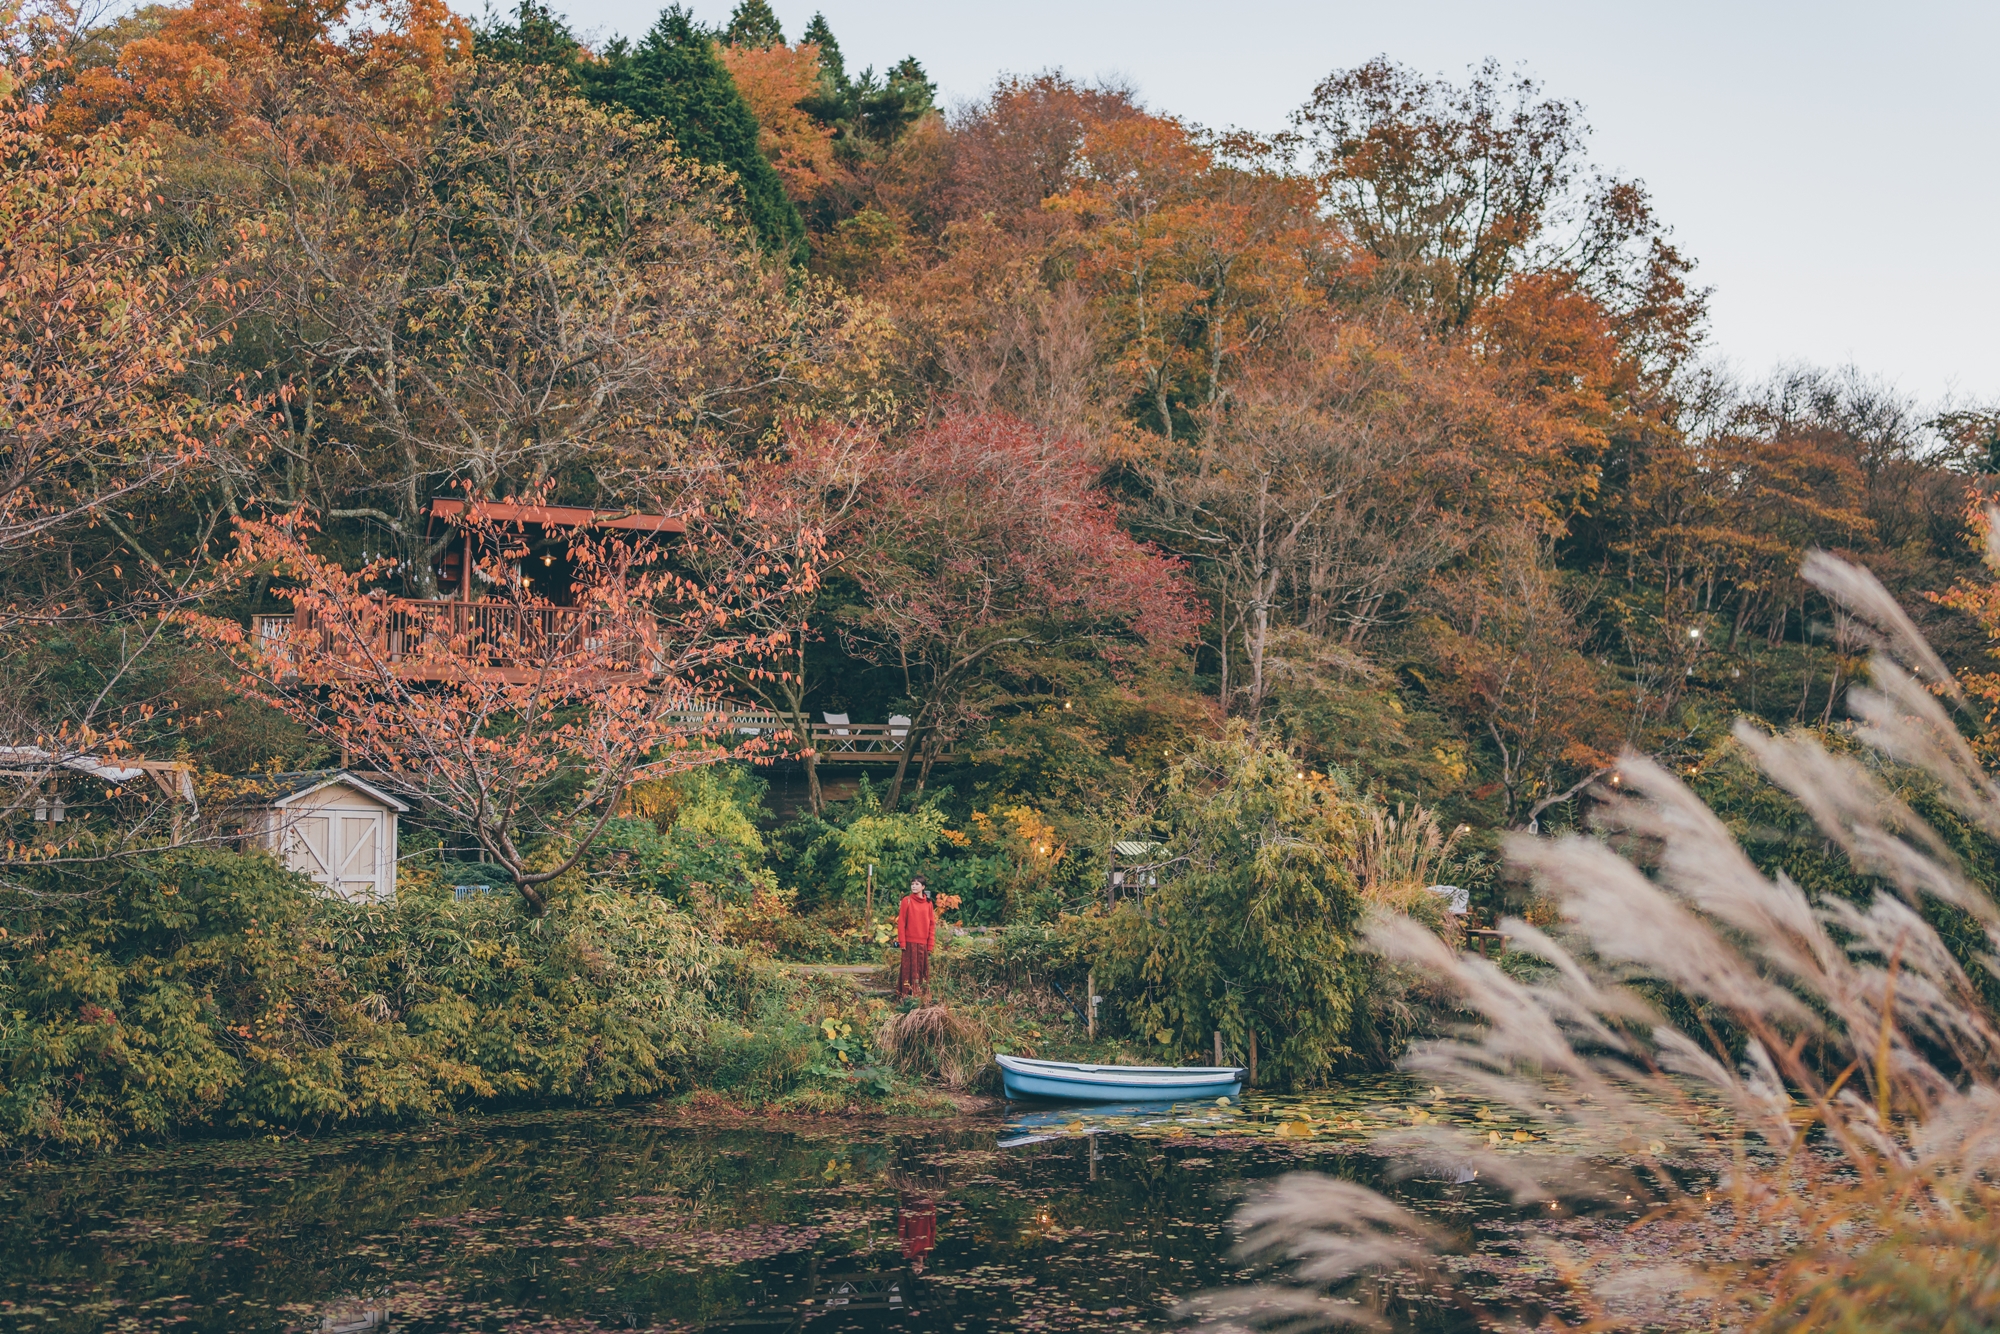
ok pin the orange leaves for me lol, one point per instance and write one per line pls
(1194, 261)
(774, 80)
(93, 338)
(516, 718)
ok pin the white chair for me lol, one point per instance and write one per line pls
(899, 727)
(1458, 901)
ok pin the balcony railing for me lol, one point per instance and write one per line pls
(502, 637)
(837, 743)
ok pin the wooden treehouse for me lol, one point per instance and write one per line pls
(509, 550)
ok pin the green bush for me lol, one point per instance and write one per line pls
(1251, 931)
(215, 988)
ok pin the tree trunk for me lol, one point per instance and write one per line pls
(902, 767)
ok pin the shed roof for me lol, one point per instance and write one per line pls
(1125, 848)
(284, 789)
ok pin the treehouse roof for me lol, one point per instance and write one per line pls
(556, 516)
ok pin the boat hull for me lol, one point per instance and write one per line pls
(1063, 1082)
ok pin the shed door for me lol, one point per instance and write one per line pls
(309, 847)
(360, 853)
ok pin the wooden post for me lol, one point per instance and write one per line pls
(1218, 1046)
(1253, 1056)
(1090, 1004)
(869, 910)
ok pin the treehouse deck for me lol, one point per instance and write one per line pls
(448, 639)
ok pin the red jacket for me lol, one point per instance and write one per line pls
(916, 924)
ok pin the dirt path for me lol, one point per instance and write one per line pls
(856, 973)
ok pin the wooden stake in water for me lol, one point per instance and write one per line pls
(1218, 1046)
(1090, 1007)
(1253, 1057)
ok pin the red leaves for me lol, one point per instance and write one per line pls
(986, 520)
(513, 718)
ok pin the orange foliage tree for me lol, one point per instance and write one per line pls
(513, 720)
(96, 337)
(774, 80)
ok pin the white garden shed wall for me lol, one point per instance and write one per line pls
(332, 827)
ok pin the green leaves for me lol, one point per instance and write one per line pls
(1251, 929)
(212, 988)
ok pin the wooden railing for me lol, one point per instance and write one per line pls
(500, 636)
(832, 743)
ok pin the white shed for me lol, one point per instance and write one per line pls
(331, 826)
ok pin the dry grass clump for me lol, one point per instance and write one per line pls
(933, 1042)
(1401, 854)
(1850, 1063)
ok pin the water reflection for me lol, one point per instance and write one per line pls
(841, 1296)
(1057, 1218)
(355, 1315)
(1038, 1121)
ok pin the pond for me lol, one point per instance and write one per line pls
(644, 1218)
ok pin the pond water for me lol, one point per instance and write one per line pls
(1063, 1219)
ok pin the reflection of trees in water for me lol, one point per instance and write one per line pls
(844, 1293)
(481, 1218)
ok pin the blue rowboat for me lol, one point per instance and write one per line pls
(1070, 1081)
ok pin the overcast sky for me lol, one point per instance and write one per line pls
(1833, 166)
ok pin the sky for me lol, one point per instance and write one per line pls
(1834, 167)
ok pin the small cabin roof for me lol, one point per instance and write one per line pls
(557, 516)
(1126, 848)
(284, 789)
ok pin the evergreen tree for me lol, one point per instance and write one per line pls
(900, 102)
(835, 102)
(753, 24)
(674, 76)
(536, 36)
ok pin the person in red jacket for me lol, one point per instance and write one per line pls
(916, 933)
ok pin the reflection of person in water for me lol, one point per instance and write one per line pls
(916, 1227)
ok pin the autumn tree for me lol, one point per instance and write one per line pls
(1510, 661)
(102, 418)
(518, 723)
(549, 288)
(983, 537)
(776, 82)
(1456, 190)
(97, 408)
(819, 483)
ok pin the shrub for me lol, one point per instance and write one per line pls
(1251, 931)
(214, 988)
(191, 988)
